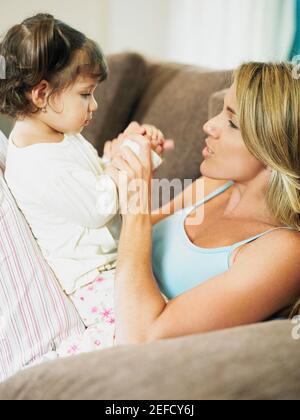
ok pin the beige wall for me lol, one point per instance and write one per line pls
(138, 25)
(85, 15)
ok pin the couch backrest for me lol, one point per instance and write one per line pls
(35, 315)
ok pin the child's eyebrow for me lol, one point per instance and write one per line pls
(84, 86)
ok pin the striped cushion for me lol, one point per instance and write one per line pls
(35, 315)
(3, 147)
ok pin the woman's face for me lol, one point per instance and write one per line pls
(230, 159)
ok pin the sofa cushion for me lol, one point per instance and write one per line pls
(175, 100)
(35, 315)
(116, 97)
(252, 362)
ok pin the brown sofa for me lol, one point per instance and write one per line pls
(254, 362)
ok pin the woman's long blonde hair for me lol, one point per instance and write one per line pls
(268, 108)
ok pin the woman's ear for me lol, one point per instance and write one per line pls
(39, 94)
(270, 172)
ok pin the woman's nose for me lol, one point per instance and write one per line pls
(210, 128)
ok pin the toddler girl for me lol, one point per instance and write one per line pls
(55, 175)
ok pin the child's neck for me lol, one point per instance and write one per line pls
(30, 131)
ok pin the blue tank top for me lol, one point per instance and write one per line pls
(178, 264)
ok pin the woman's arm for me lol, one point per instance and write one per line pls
(138, 300)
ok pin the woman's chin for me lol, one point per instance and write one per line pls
(203, 166)
(206, 171)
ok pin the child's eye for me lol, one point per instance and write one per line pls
(86, 95)
(232, 125)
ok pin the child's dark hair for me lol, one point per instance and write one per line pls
(44, 48)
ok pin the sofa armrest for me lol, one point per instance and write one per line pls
(254, 362)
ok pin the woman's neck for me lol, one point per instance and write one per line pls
(247, 201)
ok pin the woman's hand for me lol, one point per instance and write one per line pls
(133, 176)
(150, 132)
(112, 148)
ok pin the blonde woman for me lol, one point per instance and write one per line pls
(214, 278)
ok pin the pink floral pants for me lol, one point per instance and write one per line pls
(95, 305)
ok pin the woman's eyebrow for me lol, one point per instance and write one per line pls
(231, 110)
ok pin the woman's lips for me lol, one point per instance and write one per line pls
(208, 146)
(207, 152)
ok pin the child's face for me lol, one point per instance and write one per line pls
(72, 109)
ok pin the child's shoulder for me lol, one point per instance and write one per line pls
(24, 138)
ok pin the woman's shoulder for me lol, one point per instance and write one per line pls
(292, 237)
(278, 241)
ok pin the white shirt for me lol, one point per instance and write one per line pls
(70, 205)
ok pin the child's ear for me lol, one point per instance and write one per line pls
(39, 94)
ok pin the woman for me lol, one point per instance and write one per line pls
(251, 179)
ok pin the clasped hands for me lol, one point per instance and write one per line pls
(133, 173)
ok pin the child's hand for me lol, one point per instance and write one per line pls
(157, 139)
(150, 132)
(155, 136)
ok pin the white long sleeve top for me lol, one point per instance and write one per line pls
(70, 205)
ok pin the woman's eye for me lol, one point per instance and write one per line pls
(86, 95)
(232, 125)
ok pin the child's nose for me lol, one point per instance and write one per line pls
(93, 105)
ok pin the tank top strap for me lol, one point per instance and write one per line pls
(246, 241)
